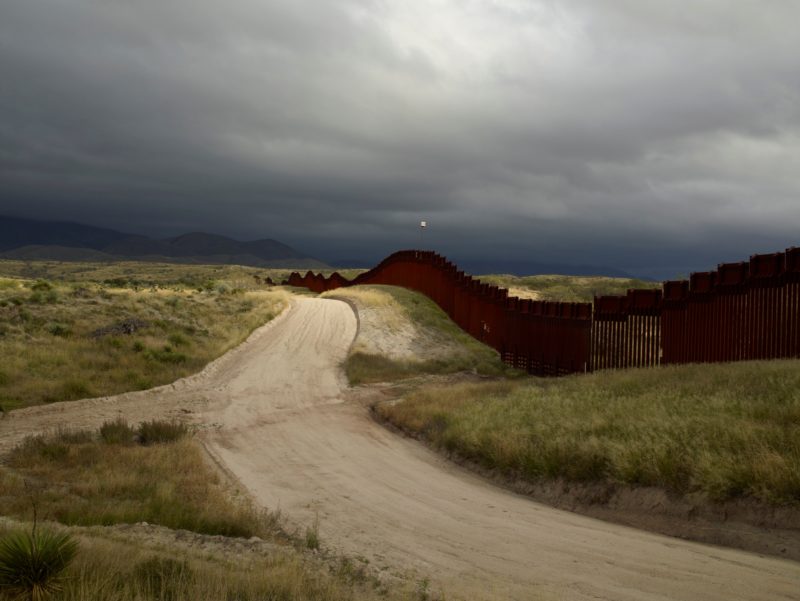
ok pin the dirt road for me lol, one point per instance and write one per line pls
(275, 417)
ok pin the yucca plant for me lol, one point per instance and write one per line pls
(32, 563)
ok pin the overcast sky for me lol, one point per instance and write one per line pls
(656, 137)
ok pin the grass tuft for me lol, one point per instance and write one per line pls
(161, 432)
(117, 431)
(312, 540)
(163, 578)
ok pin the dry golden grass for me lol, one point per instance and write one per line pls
(141, 274)
(52, 351)
(124, 571)
(119, 565)
(726, 431)
(565, 288)
(441, 346)
(145, 274)
(76, 478)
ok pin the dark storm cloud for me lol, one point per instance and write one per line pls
(652, 136)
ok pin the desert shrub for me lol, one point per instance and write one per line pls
(41, 286)
(73, 436)
(49, 447)
(32, 564)
(166, 355)
(59, 329)
(178, 340)
(116, 282)
(4, 378)
(75, 389)
(160, 431)
(138, 346)
(42, 297)
(117, 431)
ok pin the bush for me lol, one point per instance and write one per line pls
(117, 432)
(178, 340)
(50, 447)
(41, 298)
(41, 285)
(166, 355)
(58, 329)
(116, 282)
(156, 432)
(32, 564)
(75, 389)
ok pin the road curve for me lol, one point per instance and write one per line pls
(283, 428)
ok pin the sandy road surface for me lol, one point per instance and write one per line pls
(276, 418)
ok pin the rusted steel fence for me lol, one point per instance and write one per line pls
(543, 338)
(740, 311)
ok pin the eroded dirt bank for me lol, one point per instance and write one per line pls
(275, 414)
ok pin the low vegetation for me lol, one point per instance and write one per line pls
(69, 340)
(565, 288)
(154, 473)
(32, 563)
(109, 567)
(137, 274)
(115, 476)
(725, 431)
(404, 334)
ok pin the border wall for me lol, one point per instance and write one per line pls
(747, 310)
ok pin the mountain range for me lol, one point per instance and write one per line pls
(28, 239)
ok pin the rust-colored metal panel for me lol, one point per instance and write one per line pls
(767, 265)
(740, 311)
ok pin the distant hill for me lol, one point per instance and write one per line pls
(28, 239)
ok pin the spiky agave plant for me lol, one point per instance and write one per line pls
(32, 563)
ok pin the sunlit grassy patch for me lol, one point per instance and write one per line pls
(565, 288)
(727, 431)
(62, 341)
(433, 343)
(85, 478)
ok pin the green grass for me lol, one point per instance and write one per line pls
(114, 566)
(134, 274)
(565, 288)
(449, 348)
(107, 569)
(81, 339)
(364, 368)
(100, 478)
(726, 431)
(85, 478)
